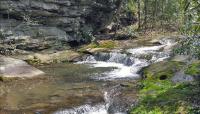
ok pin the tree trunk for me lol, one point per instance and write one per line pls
(145, 13)
(155, 13)
(139, 18)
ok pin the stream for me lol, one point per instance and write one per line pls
(103, 83)
(126, 65)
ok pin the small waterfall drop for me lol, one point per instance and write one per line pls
(96, 109)
(127, 65)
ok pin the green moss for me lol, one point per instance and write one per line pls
(162, 70)
(163, 96)
(193, 69)
(34, 61)
(109, 44)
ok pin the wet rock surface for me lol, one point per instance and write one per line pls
(123, 98)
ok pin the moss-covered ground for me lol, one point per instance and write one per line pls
(160, 95)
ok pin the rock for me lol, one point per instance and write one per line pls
(104, 36)
(37, 38)
(123, 36)
(180, 58)
(162, 70)
(11, 67)
(180, 77)
(96, 50)
(54, 21)
(6, 50)
(122, 101)
(58, 57)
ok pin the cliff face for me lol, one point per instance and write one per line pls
(40, 22)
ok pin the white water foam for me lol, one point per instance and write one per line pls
(85, 109)
(123, 71)
(88, 109)
(120, 71)
(145, 50)
(128, 66)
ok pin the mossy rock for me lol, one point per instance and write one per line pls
(162, 70)
(164, 97)
(7, 79)
(193, 69)
(33, 61)
(105, 44)
(159, 95)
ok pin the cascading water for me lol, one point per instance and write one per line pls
(128, 65)
(86, 109)
(125, 66)
(96, 109)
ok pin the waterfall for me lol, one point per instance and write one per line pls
(89, 109)
(96, 109)
(129, 64)
(85, 109)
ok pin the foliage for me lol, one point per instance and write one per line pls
(86, 33)
(129, 31)
(87, 36)
(131, 5)
(189, 46)
(176, 15)
(193, 69)
(190, 16)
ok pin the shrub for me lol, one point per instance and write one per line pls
(189, 46)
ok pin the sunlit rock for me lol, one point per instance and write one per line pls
(10, 67)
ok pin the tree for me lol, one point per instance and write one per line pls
(139, 16)
(176, 15)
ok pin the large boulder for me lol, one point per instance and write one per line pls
(10, 67)
(55, 21)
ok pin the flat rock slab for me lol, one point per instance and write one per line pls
(10, 67)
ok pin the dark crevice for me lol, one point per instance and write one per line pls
(163, 77)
